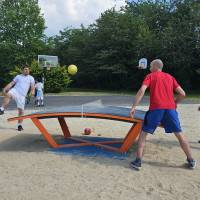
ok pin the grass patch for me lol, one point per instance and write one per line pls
(92, 92)
(193, 95)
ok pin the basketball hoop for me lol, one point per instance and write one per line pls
(142, 63)
(48, 65)
(47, 61)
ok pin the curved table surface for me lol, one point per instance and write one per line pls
(114, 112)
(100, 112)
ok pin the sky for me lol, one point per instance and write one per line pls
(60, 14)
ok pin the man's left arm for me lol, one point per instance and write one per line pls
(181, 95)
(32, 87)
(138, 98)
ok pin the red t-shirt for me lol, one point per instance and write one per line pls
(161, 86)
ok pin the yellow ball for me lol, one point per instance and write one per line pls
(72, 69)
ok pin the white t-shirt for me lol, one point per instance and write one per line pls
(39, 86)
(23, 83)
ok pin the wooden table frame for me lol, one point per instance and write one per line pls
(126, 143)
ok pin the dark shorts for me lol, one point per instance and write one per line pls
(166, 117)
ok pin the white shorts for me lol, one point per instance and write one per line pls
(19, 99)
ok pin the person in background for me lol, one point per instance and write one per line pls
(39, 95)
(35, 101)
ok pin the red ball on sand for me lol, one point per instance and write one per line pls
(87, 131)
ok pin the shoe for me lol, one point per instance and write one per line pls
(20, 128)
(1, 112)
(191, 163)
(136, 164)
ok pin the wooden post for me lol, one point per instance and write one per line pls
(64, 127)
(131, 136)
(45, 133)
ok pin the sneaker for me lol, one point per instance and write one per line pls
(136, 164)
(1, 112)
(20, 128)
(191, 163)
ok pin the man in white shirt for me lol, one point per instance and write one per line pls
(17, 90)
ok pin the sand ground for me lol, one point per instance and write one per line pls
(29, 171)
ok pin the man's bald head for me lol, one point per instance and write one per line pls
(156, 65)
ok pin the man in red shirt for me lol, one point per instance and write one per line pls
(162, 110)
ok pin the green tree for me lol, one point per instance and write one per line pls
(21, 33)
(107, 51)
(180, 40)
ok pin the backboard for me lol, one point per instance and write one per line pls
(47, 61)
(142, 63)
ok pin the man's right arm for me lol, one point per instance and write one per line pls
(8, 87)
(180, 94)
(138, 98)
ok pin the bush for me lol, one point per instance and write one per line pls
(56, 80)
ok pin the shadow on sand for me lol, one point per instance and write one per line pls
(36, 143)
